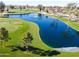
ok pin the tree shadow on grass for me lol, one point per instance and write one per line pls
(35, 50)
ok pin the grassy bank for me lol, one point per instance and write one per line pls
(72, 24)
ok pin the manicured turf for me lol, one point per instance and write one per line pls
(16, 33)
(23, 11)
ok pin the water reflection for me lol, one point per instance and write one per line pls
(39, 15)
(54, 24)
(46, 16)
(6, 15)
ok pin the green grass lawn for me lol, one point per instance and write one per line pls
(16, 32)
(18, 11)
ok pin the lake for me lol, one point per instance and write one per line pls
(53, 32)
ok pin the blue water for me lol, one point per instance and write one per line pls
(53, 32)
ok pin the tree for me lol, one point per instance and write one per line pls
(2, 6)
(20, 8)
(27, 39)
(12, 7)
(77, 14)
(4, 34)
(71, 7)
(40, 7)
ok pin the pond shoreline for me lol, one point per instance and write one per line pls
(68, 49)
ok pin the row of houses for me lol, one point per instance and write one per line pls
(61, 12)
